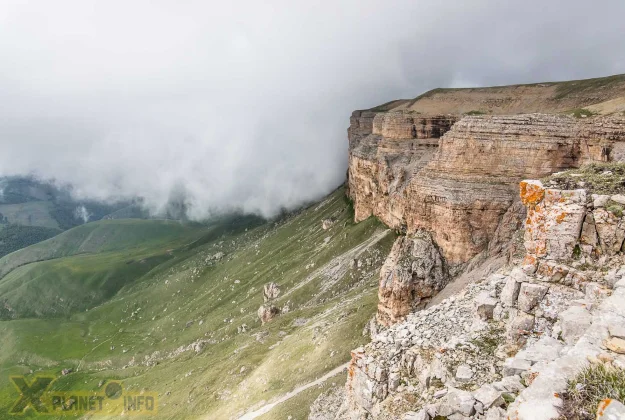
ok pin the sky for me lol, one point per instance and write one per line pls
(244, 105)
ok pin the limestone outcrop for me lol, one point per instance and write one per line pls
(413, 272)
(503, 347)
(459, 182)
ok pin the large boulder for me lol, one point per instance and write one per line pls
(529, 296)
(413, 272)
(510, 292)
(554, 220)
(611, 230)
(267, 312)
(457, 401)
(270, 291)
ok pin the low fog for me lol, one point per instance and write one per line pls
(245, 105)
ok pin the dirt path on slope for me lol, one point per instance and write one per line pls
(267, 407)
(338, 266)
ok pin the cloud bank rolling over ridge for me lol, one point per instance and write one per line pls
(245, 105)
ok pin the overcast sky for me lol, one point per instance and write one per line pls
(245, 104)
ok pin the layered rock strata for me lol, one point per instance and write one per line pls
(519, 335)
(458, 186)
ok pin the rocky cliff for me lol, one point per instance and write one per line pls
(457, 181)
(506, 346)
(498, 289)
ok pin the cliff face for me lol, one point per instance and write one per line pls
(522, 333)
(458, 186)
(455, 182)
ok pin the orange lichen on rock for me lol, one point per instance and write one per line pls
(531, 192)
(603, 405)
(560, 218)
(529, 260)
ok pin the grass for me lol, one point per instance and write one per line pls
(591, 385)
(575, 87)
(616, 209)
(581, 113)
(386, 106)
(564, 90)
(598, 178)
(139, 324)
(32, 213)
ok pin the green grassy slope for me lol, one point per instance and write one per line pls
(99, 259)
(32, 213)
(98, 237)
(143, 333)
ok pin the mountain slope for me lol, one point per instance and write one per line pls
(188, 328)
(32, 211)
(551, 97)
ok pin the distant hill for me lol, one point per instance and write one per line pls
(603, 94)
(78, 268)
(32, 211)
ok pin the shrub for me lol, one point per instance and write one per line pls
(591, 385)
(616, 210)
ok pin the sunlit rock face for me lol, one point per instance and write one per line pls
(412, 274)
(456, 179)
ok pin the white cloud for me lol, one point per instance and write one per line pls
(245, 105)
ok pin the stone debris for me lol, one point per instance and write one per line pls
(464, 373)
(514, 336)
(270, 291)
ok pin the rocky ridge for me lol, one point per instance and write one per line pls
(458, 186)
(525, 278)
(461, 188)
(505, 346)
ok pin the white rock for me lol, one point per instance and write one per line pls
(618, 198)
(510, 292)
(600, 200)
(529, 296)
(464, 373)
(574, 322)
(545, 349)
(440, 393)
(489, 396)
(617, 331)
(595, 292)
(495, 413)
(509, 384)
(485, 305)
(457, 401)
(515, 366)
(421, 415)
